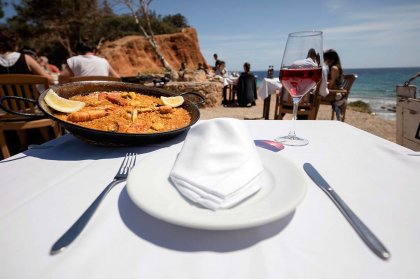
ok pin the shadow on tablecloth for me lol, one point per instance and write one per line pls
(180, 238)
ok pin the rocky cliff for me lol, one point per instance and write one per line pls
(132, 55)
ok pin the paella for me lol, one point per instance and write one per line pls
(126, 112)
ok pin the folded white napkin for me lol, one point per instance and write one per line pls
(218, 165)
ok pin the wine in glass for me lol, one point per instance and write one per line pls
(300, 72)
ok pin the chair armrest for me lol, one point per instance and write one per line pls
(342, 91)
(330, 98)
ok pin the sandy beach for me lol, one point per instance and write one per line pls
(373, 124)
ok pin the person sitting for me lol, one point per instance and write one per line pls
(247, 87)
(221, 69)
(312, 55)
(335, 81)
(86, 63)
(221, 73)
(29, 51)
(13, 62)
(49, 68)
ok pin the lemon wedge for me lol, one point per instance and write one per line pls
(62, 104)
(172, 101)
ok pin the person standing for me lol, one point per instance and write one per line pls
(216, 61)
(86, 63)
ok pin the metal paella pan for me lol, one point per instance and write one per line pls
(98, 137)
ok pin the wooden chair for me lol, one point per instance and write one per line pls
(330, 98)
(89, 78)
(13, 87)
(308, 106)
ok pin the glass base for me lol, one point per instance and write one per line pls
(292, 140)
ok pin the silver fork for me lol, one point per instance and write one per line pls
(78, 226)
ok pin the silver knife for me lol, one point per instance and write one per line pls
(367, 236)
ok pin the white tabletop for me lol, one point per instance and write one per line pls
(268, 87)
(229, 80)
(43, 191)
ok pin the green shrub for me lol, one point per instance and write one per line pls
(360, 106)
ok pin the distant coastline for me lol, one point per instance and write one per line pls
(375, 86)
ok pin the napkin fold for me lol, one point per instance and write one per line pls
(218, 165)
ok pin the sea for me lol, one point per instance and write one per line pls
(375, 86)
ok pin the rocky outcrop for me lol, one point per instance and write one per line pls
(210, 90)
(133, 55)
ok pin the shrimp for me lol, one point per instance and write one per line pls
(81, 116)
(165, 109)
(141, 110)
(116, 98)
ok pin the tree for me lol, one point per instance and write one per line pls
(146, 29)
(1, 9)
(50, 22)
(53, 28)
(177, 20)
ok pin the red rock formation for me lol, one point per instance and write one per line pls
(132, 55)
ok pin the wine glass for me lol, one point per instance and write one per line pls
(300, 72)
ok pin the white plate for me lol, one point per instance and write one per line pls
(283, 188)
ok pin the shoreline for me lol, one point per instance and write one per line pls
(373, 124)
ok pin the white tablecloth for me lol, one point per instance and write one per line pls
(43, 191)
(268, 87)
(229, 80)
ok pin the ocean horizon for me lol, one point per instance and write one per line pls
(375, 86)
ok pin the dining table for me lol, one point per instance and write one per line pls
(44, 189)
(268, 87)
(229, 80)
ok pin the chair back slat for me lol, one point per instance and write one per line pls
(10, 104)
(348, 81)
(21, 86)
(308, 105)
(19, 91)
(32, 91)
(25, 86)
(94, 78)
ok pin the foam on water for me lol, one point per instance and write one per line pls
(382, 107)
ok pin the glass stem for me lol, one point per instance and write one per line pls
(292, 133)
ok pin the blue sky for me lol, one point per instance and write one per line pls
(366, 34)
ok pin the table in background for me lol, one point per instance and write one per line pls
(268, 87)
(230, 80)
(228, 88)
(43, 191)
